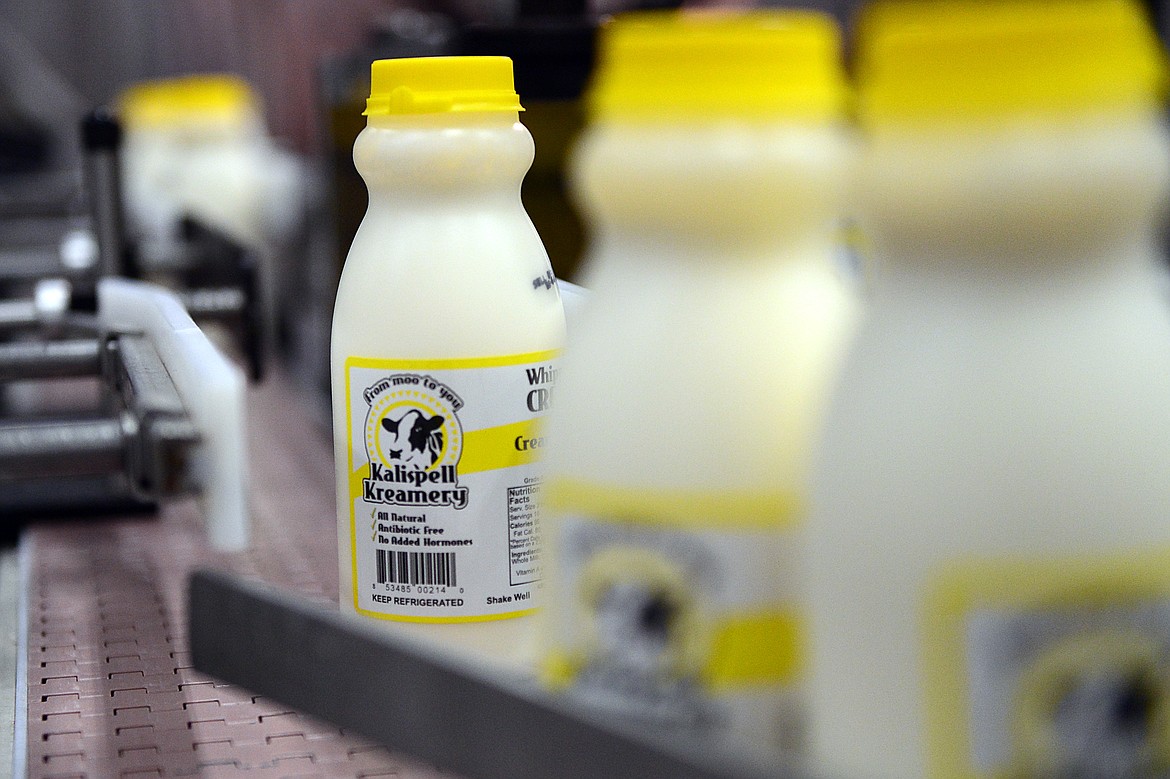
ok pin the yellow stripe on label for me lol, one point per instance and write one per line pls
(451, 364)
(353, 477)
(355, 481)
(676, 508)
(445, 620)
(558, 669)
(499, 447)
(746, 650)
(753, 649)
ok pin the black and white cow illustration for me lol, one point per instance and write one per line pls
(639, 662)
(1094, 707)
(415, 439)
(636, 627)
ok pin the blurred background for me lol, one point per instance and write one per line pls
(293, 199)
(95, 48)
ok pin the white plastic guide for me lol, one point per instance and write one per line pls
(212, 391)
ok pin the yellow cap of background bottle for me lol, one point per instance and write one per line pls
(968, 60)
(436, 85)
(178, 101)
(670, 65)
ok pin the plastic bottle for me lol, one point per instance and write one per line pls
(712, 176)
(990, 538)
(445, 338)
(197, 146)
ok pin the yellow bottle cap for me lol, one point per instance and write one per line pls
(968, 60)
(669, 65)
(437, 85)
(179, 101)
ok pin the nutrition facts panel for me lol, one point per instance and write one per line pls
(523, 539)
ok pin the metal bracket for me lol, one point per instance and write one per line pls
(144, 431)
(157, 456)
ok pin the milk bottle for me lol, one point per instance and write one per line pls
(197, 146)
(445, 338)
(712, 177)
(990, 539)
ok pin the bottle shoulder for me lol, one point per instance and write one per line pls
(737, 179)
(466, 294)
(435, 245)
(1032, 185)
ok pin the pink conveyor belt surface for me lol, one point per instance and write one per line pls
(111, 691)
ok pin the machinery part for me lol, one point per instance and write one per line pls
(214, 303)
(409, 697)
(49, 359)
(17, 314)
(212, 393)
(136, 372)
(157, 456)
(101, 138)
(222, 283)
(146, 433)
(63, 448)
(151, 453)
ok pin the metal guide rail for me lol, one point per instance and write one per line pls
(482, 724)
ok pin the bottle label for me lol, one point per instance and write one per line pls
(1050, 668)
(673, 608)
(443, 487)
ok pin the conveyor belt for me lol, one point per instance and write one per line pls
(110, 688)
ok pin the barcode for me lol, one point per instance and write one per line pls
(415, 567)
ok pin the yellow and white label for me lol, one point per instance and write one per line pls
(676, 615)
(443, 487)
(1050, 668)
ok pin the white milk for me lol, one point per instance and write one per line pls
(445, 338)
(688, 400)
(197, 145)
(990, 539)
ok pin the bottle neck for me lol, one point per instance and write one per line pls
(412, 160)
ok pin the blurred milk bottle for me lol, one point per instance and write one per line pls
(712, 176)
(197, 146)
(990, 535)
(445, 337)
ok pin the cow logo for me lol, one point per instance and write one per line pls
(414, 438)
(1094, 705)
(413, 442)
(644, 623)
